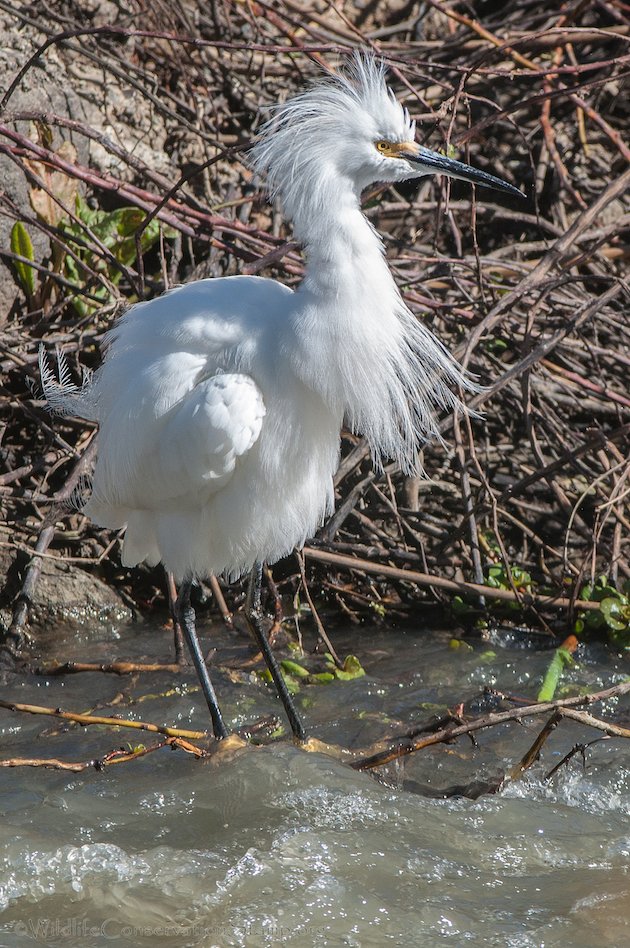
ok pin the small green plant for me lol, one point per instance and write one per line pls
(98, 243)
(458, 645)
(613, 615)
(352, 668)
(116, 230)
(499, 578)
(296, 675)
(379, 609)
(562, 658)
(496, 344)
(22, 245)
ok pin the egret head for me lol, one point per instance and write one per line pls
(348, 130)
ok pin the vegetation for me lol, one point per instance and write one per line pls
(524, 517)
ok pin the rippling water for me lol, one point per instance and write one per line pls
(273, 845)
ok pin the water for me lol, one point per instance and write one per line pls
(272, 845)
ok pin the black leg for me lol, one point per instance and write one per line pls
(253, 613)
(186, 616)
(178, 638)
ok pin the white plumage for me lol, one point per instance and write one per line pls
(220, 403)
(211, 450)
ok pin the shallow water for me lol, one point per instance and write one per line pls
(272, 845)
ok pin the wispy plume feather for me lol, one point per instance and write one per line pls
(62, 395)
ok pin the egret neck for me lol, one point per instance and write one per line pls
(353, 339)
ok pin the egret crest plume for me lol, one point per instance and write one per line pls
(308, 148)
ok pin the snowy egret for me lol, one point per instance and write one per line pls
(220, 403)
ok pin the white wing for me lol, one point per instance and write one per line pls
(178, 411)
(191, 453)
(218, 422)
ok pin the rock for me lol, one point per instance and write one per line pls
(44, 88)
(66, 83)
(71, 595)
(64, 595)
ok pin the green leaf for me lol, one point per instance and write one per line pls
(21, 244)
(291, 682)
(594, 620)
(560, 659)
(496, 345)
(620, 638)
(616, 614)
(352, 668)
(292, 668)
(84, 212)
(116, 230)
(520, 577)
(459, 607)
(488, 656)
(459, 645)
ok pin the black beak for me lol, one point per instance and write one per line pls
(433, 163)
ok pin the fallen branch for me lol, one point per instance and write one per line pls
(582, 717)
(110, 722)
(111, 668)
(114, 757)
(532, 754)
(612, 730)
(524, 599)
(400, 747)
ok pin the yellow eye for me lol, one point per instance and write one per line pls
(384, 147)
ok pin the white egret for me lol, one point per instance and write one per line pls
(220, 403)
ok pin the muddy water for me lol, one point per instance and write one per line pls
(272, 845)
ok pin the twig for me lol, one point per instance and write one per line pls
(113, 757)
(111, 722)
(402, 746)
(108, 668)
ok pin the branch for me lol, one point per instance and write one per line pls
(111, 722)
(524, 599)
(400, 747)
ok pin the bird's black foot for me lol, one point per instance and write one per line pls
(186, 617)
(253, 614)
